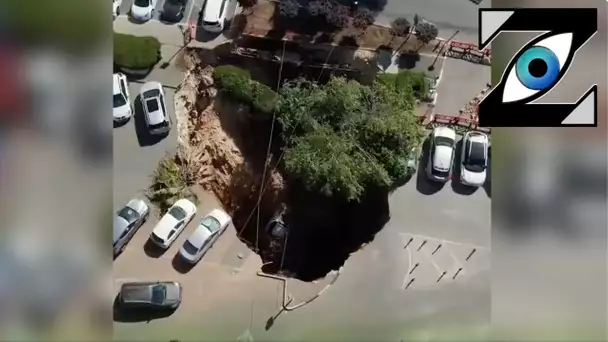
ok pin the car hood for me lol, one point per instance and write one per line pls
(140, 12)
(121, 112)
(473, 178)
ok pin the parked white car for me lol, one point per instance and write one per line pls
(474, 159)
(441, 155)
(208, 231)
(143, 9)
(155, 111)
(122, 101)
(213, 15)
(173, 223)
(116, 8)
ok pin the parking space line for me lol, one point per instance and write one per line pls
(424, 237)
(409, 268)
(453, 256)
(430, 258)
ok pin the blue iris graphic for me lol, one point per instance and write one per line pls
(537, 68)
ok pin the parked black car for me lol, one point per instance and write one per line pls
(165, 295)
(173, 10)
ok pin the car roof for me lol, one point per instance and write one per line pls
(199, 236)
(136, 292)
(211, 13)
(164, 226)
(442, 158)
(157, 116)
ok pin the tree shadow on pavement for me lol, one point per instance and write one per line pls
(423, 184)
(180, 265)
(456, 184)
(152, 250)
(136, 316)
(408, 60)
(144, 138)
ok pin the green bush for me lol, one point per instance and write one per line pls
(136, 52)
(264, 98)
(414, 80)
(235, 82)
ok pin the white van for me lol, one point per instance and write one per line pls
(213, 15)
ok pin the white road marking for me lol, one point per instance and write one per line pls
(409, 268)
(445, 61)
(430, 258)
(424, 237)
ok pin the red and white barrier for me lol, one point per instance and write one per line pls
(469, 46)
(192, 29)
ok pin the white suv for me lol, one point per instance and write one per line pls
(153, 103)
(121, 99)
(441, 155)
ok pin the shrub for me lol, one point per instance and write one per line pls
(235, 82)
(136, 52)
(264, 98)
(416, 81)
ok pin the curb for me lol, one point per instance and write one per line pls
(287, 298)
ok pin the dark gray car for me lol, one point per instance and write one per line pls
(127, 221)
(150, 295)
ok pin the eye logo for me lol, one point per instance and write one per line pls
(538, 67)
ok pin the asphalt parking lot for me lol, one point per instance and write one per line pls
(225, 300)
(460, 82)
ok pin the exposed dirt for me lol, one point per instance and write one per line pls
(209, 138)
(261, 21)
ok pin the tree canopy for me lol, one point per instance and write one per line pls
(343, 137)
(426, 31)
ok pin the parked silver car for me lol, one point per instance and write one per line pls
(127, 221)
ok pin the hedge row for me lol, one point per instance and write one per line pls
(136, 52)
(416, 80)
(237, 83)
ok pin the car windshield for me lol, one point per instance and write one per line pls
(444, 141)
(119, 100)
(142, 3)
(211, 23)
(475, 158)
(178, 213)
(128, 214)
(158, 294)
(152, 105)
(190, 248)
(211, 223)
